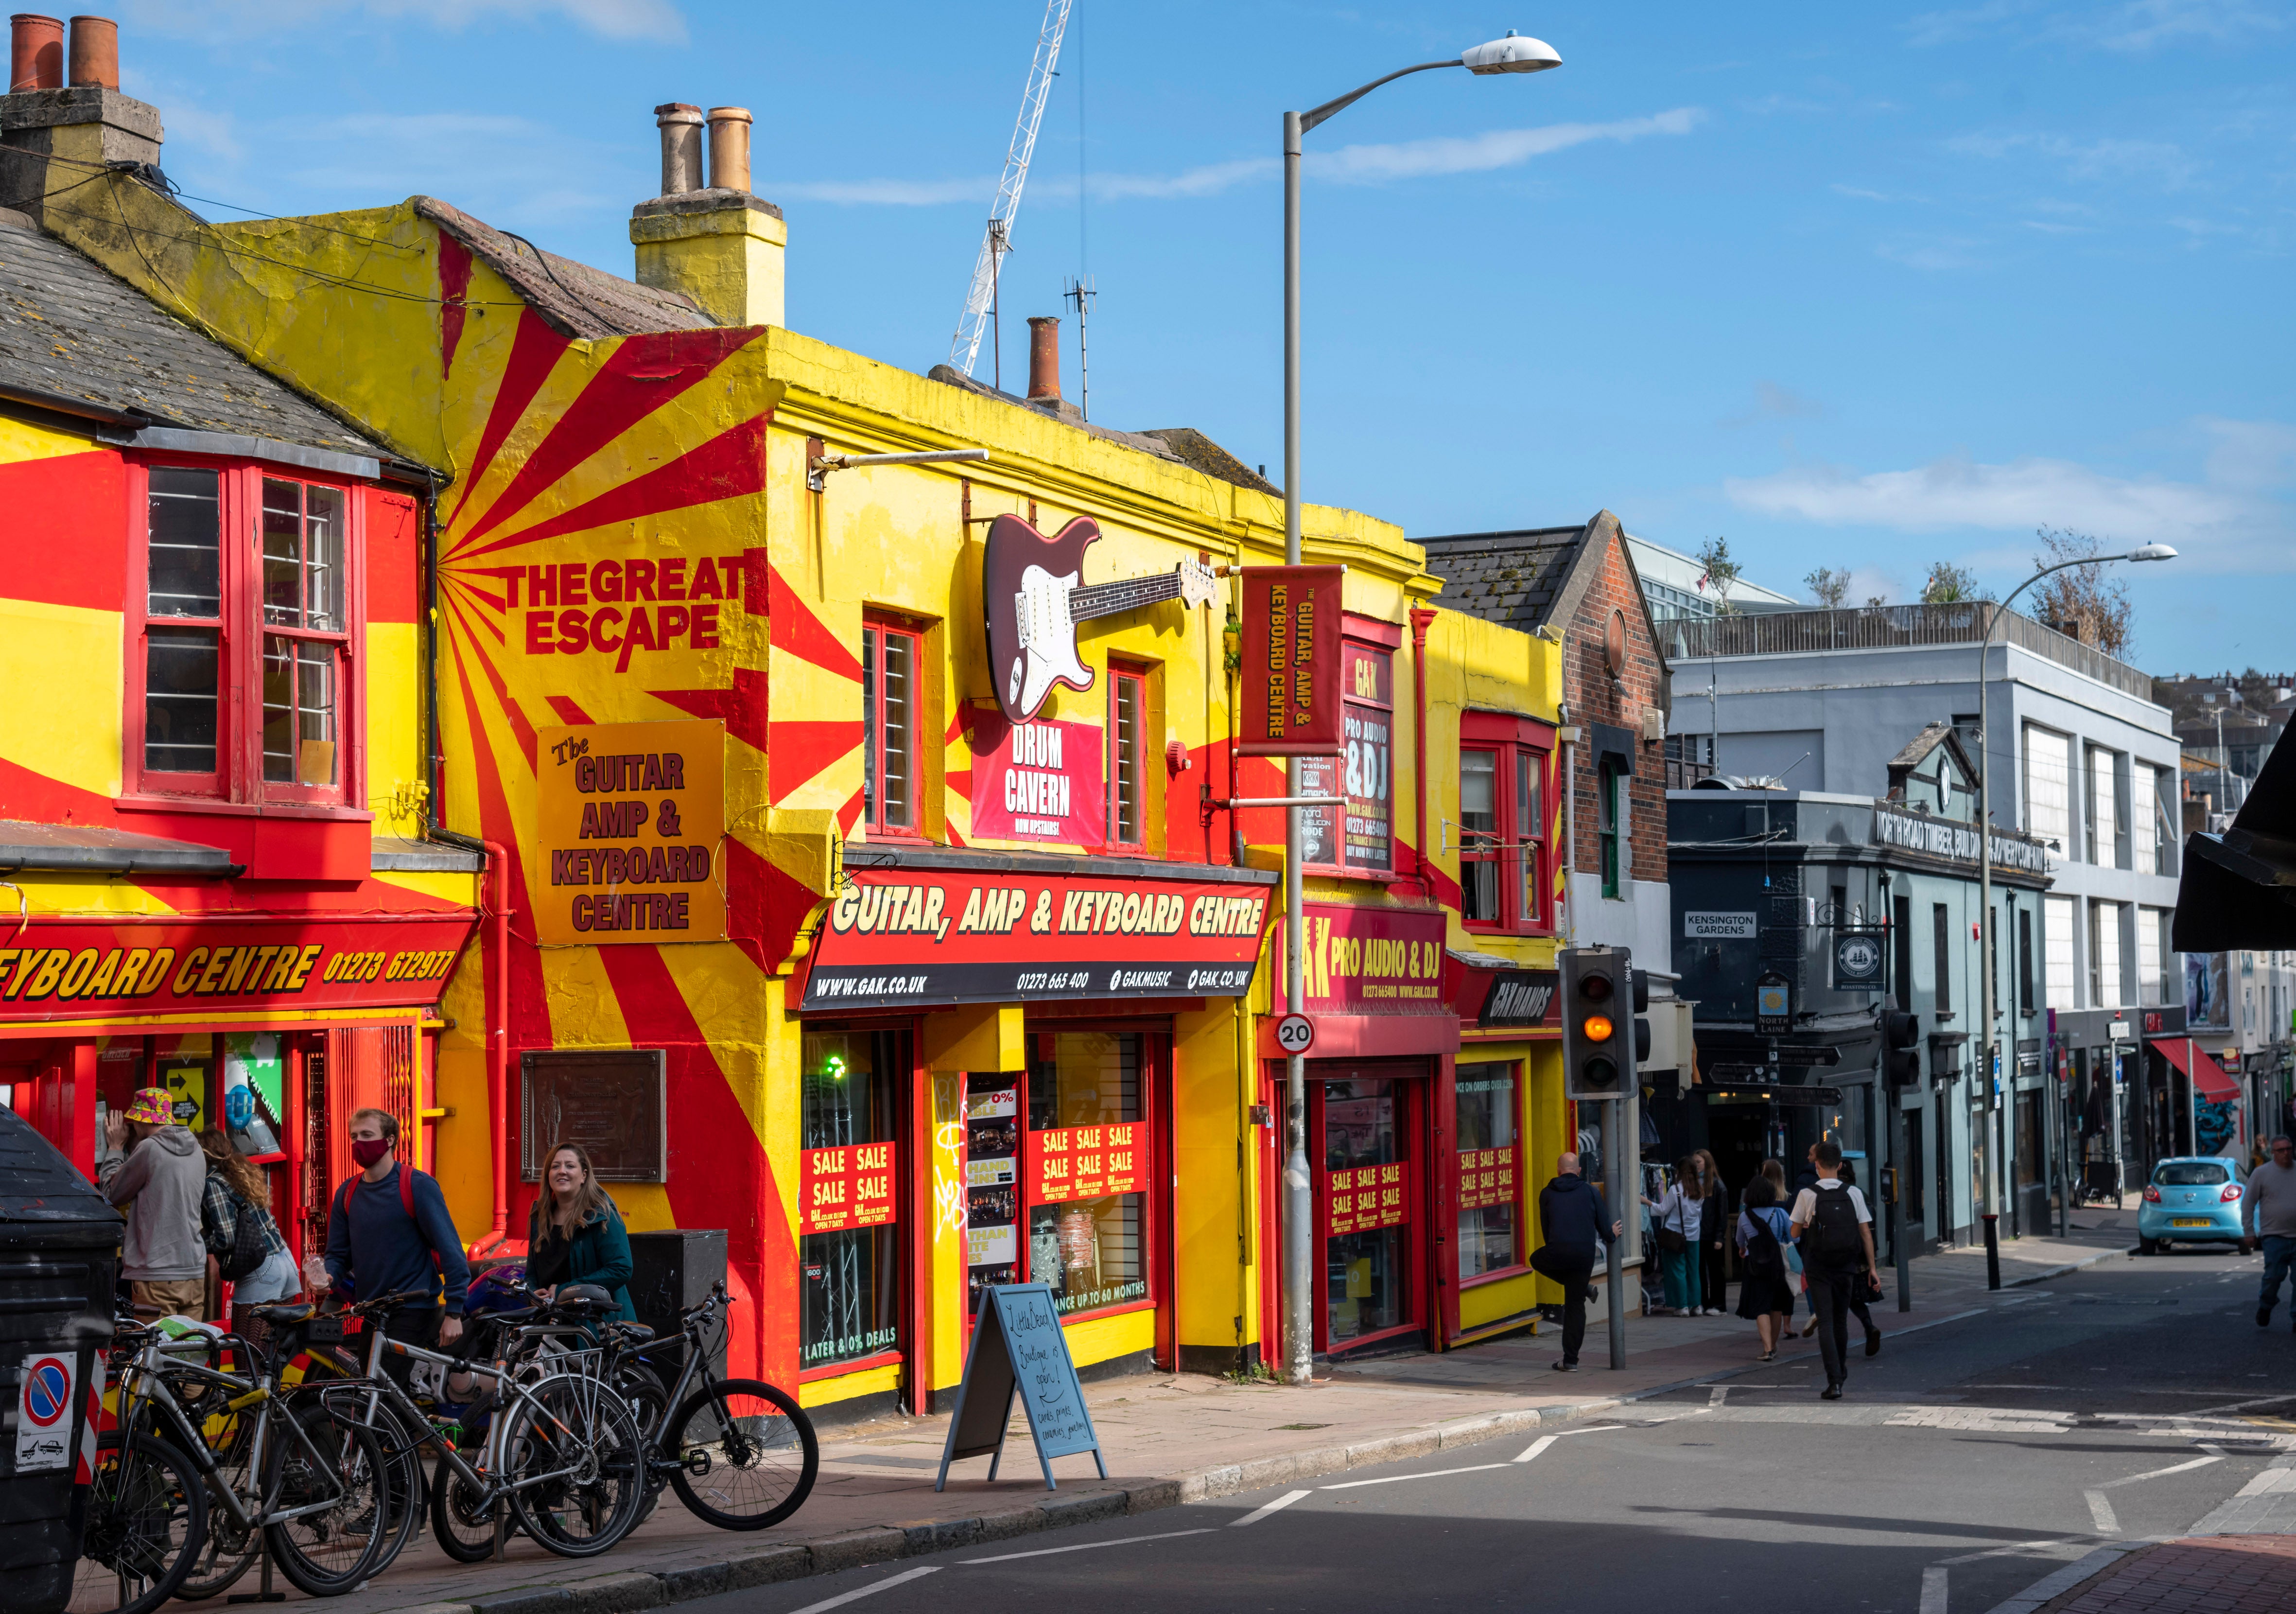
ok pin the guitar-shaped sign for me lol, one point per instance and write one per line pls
(1033, 594)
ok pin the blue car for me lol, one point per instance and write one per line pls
(2192, 1200)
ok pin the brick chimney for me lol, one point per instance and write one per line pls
(719, 245)
(1044, 359)
(83, 124)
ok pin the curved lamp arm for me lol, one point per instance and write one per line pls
(1309, 119)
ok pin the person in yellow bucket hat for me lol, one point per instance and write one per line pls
(158, 1180)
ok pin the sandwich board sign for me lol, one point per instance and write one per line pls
(1018, 1348)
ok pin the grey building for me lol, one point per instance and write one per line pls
(2082, 759)
(1845, 900)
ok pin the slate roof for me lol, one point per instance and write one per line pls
(72, 330)
(1515, 579)
(576, 299)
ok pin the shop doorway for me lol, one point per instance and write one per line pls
(1944, 1157)
(1736, 1135)
(1366, 1131)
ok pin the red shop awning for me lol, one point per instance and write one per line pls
(2207, 1074)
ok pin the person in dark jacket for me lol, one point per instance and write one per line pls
(376, 1247)
(1713, 1229)
(574, 1234)
(1571, 1218)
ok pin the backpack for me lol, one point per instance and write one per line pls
(1763, 1258)
(1833, 1226)
(248, 1249)
(405, 1200)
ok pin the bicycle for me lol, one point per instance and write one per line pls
(290, 1477)
(562, 1456)
(740, 1452)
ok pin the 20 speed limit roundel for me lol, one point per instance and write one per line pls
(47, 1392)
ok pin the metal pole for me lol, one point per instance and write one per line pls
(1614, 1172)
(1299, 1194)
(1988, 1050)
(1905, 1256)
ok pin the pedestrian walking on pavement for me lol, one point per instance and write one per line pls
(1573, 1221)
(1713, 1229)
(1764, 1295)
(1869, 1281)
(1675, 1216)
(1835, 1231)
(232, 1204)
(159, 1176)
(2270, 1215)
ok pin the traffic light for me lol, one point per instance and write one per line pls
(1598, 1001)
(1901, 1054)
(1640, 978)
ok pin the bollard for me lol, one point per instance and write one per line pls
(1992, 1250)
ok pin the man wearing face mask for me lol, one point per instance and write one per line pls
(386, 1236)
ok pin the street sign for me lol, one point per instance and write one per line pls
(1772, 1004)
(1295, 1034)
(44, 1410)
(1857, 960)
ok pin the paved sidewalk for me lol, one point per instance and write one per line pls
(1170, 1439)
(2197, 1575)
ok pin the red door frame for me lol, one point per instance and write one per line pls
(1421, 1254)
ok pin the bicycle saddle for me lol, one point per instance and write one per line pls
(584, 1296)
(284, 1316)
(637, 1333)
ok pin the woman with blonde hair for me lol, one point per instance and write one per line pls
(235, 1193)
(574, 1233)
(1674, 1223)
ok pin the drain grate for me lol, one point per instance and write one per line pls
(1303, 1426)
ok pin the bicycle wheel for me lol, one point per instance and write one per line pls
(577, 1431)
(337, 1486)
(147, 1520)
(649, 1402)
(402, 1454)
(745, 1452)
(231, 1546)
(462, 1521)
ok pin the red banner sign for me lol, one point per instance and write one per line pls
(1090, 1162)
(1291, 677)
(1371, 960)
(1486, 1177)
(850, 1186)
(123, 967)
(1041, 782)
(1363, 1199)
(897, 937)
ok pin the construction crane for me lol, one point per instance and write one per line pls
(965, 351)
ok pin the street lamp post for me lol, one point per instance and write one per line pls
(1989, 1046)
(1513, 54)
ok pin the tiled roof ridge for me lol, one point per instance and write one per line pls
(575, 299)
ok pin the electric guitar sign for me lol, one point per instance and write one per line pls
(1033, 593)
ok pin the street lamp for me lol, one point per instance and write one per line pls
(1515, 54)
(1990, 1047)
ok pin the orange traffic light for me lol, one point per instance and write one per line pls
(1596, 1029)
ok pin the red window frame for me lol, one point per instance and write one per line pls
(1122, 680)
(1523, 751)
(876, 634)
(237, 782)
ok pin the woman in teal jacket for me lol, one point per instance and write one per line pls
(575, 1235)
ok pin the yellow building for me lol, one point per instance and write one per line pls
(873, 895)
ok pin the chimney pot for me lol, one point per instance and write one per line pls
(1044, 359)
(729, 148)
(36, 52)
(95, 52)
(681, 147)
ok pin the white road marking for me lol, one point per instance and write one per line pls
(2101, 1513)
(1594, 1428)
(1536, 1447)
(1933, 1585)
(1720, 1397)
(2215, 1455)
(1350, 1485)
(840, 1600)
(1276, 1506)
(1123, 1541)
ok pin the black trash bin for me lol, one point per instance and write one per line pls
(672, 1269)
(59, 1254)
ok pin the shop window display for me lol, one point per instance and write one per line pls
(1489, 1161)
(1367, 1201)
(848, 1249)
(1088, 1168)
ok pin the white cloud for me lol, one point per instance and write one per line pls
(1348, 165)
(2168, 165)
(2235, 513)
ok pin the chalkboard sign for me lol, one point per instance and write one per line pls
(1018, 1348)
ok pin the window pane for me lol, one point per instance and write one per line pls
(180, 665)
(1489, 1164)
(1128, 759)
(869, 725)
(1090, 1251)
(2058, 950)
(1528, 827)
(901, 721)
(323, 557)
(282, 552)
(185, 525)
(1478, 829)
(298, 712)
(1082, 1078)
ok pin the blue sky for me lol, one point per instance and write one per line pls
(1855, 286)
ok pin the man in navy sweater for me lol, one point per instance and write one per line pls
(375, 1247)
(1572, 1215)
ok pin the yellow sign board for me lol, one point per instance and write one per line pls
(632, 820)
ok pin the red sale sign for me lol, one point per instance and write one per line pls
(852, 1186)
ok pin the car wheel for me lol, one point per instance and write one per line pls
(2148, 1247)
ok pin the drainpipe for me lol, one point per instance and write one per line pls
(1422, 619)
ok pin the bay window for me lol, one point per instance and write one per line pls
(243, 638)
(1502, 831)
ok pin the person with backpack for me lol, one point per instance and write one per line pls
(1868, 1291)
(153, 1173)
(1571, 1217)
(388, 1231)
(250, 1253)
(1766, 1293)
(1835, 1231)
(1676, 1217)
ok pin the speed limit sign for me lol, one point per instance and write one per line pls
(1295, 1034)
